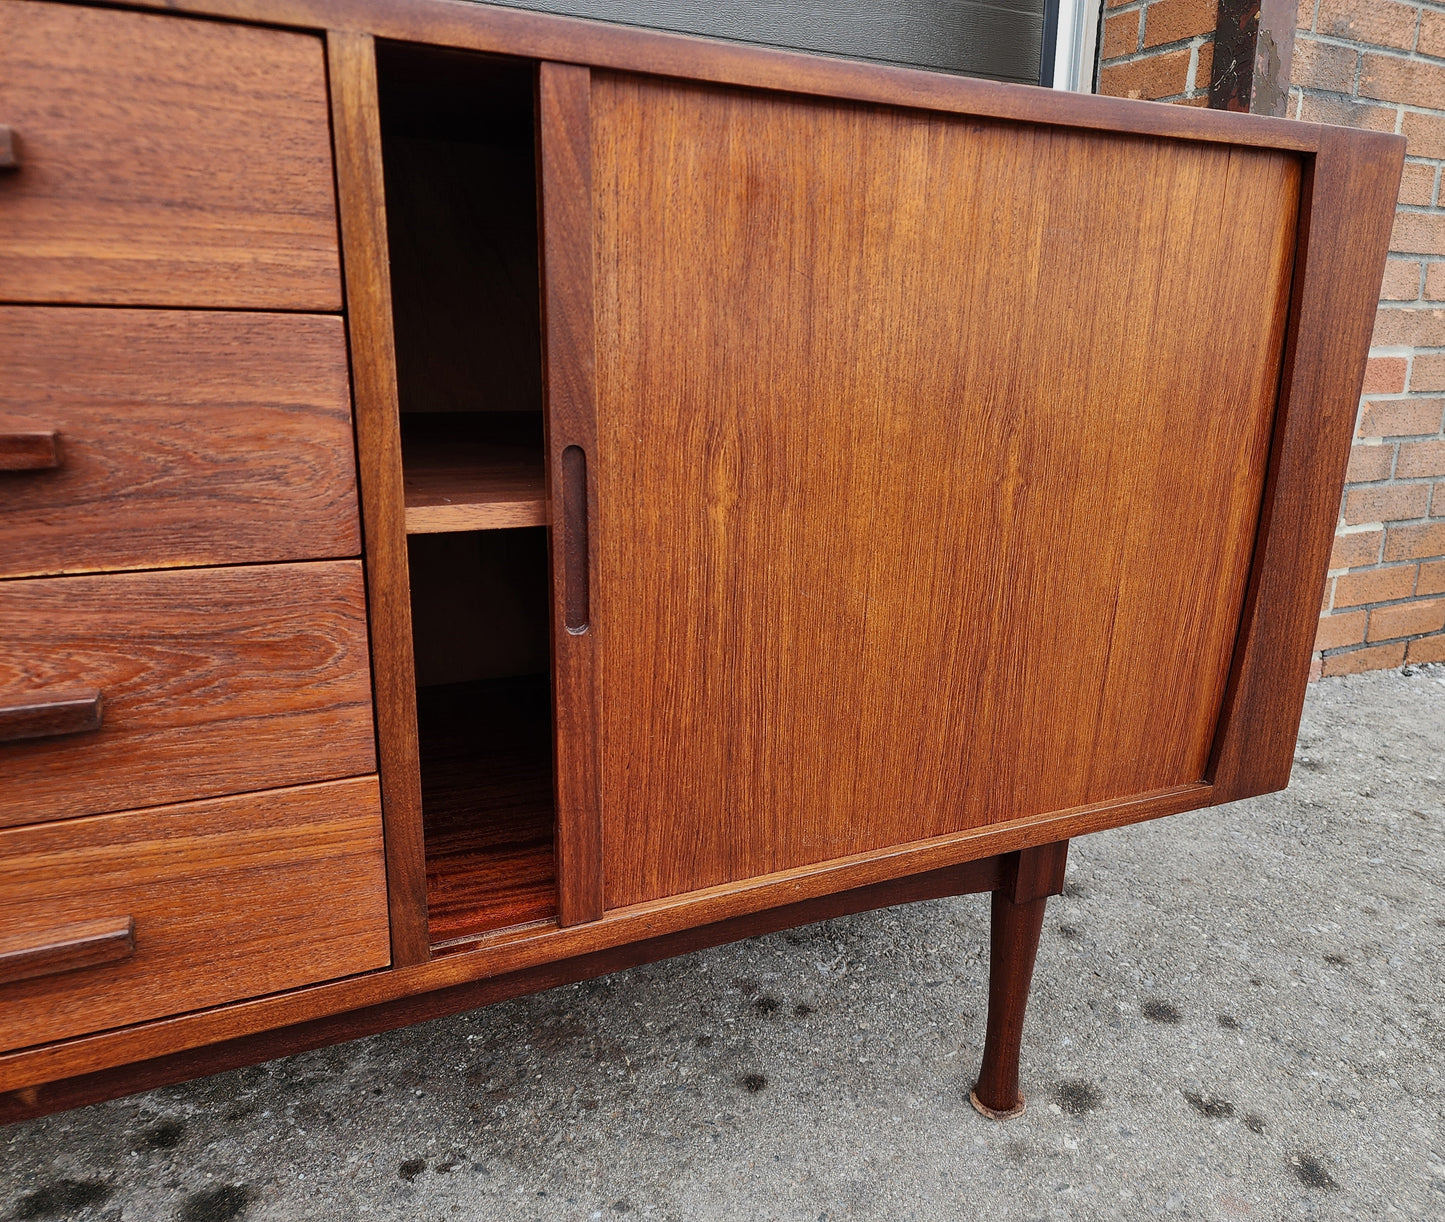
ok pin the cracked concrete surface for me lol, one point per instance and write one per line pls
(1237, 1013)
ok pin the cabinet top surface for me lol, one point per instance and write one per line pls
(505, 31)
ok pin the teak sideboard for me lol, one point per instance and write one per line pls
(488, 499)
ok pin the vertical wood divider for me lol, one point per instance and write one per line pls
(564, 140)
(356, 132)
(1346, 210)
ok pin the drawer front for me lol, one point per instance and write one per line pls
(164, 161)
(210, 681)
(181, 438)
(122, 918)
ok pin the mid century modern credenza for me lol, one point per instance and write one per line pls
(487, 499)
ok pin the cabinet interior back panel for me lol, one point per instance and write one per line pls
(930, 459)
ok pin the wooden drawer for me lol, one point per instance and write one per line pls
(184, 438)
(211, 681)
(121, 918)
(164, 161)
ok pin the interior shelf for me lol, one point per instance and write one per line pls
(473, 486)
(486, 766)
(472, 471)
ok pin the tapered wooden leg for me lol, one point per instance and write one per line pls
(1015, 942)
(1029, 878)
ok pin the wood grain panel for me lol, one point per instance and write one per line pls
(564, 136)
(215, 681)
(186, 439)
(1350, 208)
(928, 487)
(164, 162)
(351, 59)
(235, 897)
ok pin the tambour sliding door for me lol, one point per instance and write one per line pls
(923, 482)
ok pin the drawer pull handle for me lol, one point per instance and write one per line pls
(9, 159)
(47, 716)
(36, 450)
(66, 948)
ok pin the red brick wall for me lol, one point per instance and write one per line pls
(1158, 49)
(1381, 64)
(1377, 64)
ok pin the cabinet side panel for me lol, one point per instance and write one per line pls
(929, 484)
(1349, 210)
(351, 59)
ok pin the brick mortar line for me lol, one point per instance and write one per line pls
(1400, 109)
(1380, 606)
(1317, 92)
(1409, 55)
(1362, 48)
(1133, 57)
(1336, 650)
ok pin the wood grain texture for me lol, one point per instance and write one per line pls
(473, 486)
(1348, 211)
(65, 947)
(166, 162)
(564, 134)
(486, 773)
(548, 950)
(188, 438)
(927, 489)
(225, 897)
(20, 1103)
(215, 681)
(497, 29)
(351, 59)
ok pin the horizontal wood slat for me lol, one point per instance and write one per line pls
(234, 897)
(164, 162)
(186, 438)
(215, 681)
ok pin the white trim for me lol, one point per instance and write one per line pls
(1075, 44)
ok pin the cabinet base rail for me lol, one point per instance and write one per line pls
(1020, 883)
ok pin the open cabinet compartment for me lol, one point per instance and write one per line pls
(458, 149)
(459, 156)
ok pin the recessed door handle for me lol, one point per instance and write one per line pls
(49, 714)
(29, 449)
(65, 948)
(9, 158)
(577, 596)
